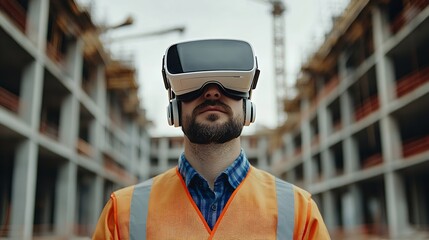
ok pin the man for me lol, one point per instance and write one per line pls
(214, 193)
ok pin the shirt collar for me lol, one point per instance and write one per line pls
(235, 172)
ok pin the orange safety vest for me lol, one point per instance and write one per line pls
(262, 207)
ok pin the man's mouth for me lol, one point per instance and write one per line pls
(212, 106)
(212, 109)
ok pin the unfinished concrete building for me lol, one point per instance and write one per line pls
(357, 136)
(71, 126)
(165, 151)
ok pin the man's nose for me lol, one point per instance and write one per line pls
(212, 92)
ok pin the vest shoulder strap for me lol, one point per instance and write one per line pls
(139, 209)
(286, 209)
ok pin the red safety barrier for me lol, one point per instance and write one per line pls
(369, 106)
(411, 81)
(415, 145)
(15, 11)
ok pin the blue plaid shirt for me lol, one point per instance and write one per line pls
(211, 203)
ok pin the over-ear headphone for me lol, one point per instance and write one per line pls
(249, 111)
(173, 113)
(174, 119)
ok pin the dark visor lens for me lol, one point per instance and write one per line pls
(227, 92)
(210, 55)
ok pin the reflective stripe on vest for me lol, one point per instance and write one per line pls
(285, 209)
(140, 207)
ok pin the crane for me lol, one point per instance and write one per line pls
(279, 56)
(277, 10)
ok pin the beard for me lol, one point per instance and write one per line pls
(201, 133)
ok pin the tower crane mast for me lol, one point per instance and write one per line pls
(278, 24)
(277, 11)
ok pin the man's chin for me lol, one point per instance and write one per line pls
(212, 132)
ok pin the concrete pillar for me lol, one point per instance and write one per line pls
(346, 110)
(352, 208)
(65, 199)
(288, 144)
(31, 94)
(262, 153)
(133, 149)
(24, 190)
(69, 121)
(37, 22)
(390, 139)
(329, 210)
(397, 211)
(323, 123)
(145, 155)
(74, 61)
(97, 202)
(101, 92)
(88, 203)
(342, 68)
(328, 166)
(384, 67)
(351, 155)
(163, 153)
(306, 142)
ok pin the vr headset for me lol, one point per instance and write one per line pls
(188, 67)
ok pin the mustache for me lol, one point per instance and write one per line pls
(211, 103)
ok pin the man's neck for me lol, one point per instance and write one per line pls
(210, 160)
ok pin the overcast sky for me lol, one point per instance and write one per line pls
(306, 21)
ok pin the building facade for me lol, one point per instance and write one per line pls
(71, 126)
(357, 135)
(165, 151)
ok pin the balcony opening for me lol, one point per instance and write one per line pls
(47, 195)
(417, 194)
(411, 65)
(12, 72)
(89, 79)
(16, 10)
(60, 35)
(297, 142)
(314, 131)
(84, 198)
(85, 140)
(374, 207)
(338, 214)
(114, 108)
(317, 173)
(412, 121)
(153, 162)
(334, 116)
(330, 83)
(369, 146)
(360, 43)
(52, 103)
(401, 12)
(299, 175)
(338, 158)
(365, 95)
(9, 142)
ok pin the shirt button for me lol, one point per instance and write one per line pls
(213, 207)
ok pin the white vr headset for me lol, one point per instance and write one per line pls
(188, 67)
